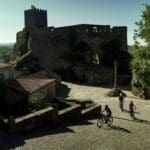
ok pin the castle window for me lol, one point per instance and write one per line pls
(94, 29)
(52, 29)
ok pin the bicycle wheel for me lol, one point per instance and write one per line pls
(100, 122)
(110, 121)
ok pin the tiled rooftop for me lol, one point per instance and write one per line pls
(29, 85)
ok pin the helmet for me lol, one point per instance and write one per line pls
(106, 106)
(121, 94)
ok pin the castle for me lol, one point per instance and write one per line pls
(35, 18)
(50, 44)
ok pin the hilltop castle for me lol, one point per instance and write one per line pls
(35, 18)
(51, 45)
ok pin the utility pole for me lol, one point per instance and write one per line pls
(115, 73)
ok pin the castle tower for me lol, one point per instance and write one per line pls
(35, 17)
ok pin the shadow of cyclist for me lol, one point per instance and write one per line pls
(118, 128)
(142, 121)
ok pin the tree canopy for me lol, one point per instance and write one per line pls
(140, 63)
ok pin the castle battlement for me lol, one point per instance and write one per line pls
(35, 17)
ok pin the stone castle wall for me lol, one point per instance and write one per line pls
(35, 18)
(50, 44)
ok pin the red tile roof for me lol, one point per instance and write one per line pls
(29, 85)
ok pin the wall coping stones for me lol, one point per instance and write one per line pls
(69, 109)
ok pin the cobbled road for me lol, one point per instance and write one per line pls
(124, 134)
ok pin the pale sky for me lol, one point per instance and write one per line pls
(69, 12)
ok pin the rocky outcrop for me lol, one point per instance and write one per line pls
(27, 63)
(21, 46)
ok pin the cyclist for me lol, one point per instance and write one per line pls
(131, 109)
(121, 100)
(109, 113)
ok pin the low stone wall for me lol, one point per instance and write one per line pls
(93, 111)
(69, 114)
(49, 116)
(33, 120)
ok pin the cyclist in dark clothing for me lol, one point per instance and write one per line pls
(109, 113)
(131, 109)
(121, 101)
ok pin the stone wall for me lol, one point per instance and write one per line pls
(51, 45)
(94, 74)
(45, 116)
(91, 112)
(51, 90)
(69, 114)
(35, 18)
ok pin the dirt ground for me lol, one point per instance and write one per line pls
(124, 134)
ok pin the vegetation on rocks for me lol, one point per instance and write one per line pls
(27, 63)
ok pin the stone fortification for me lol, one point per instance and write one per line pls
(50, 44)
(35, 17)
(66, 48)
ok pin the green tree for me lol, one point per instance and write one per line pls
(140, 63)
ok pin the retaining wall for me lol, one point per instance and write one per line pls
(69, 114)
(45, 116)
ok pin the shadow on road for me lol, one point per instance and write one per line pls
(138, 120)
(81, 122)
(124, 119)
(127, 111)
(118, 128)
(142, 121)
(11, 141)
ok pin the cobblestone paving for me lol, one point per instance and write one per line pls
(124, 134)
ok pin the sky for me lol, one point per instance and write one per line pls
(69, 12)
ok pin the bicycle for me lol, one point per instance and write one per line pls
(102, 120)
